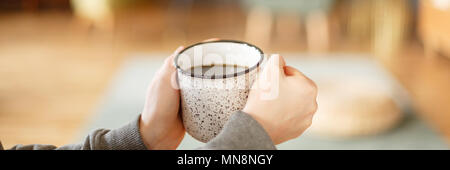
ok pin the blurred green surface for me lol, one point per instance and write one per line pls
(125, 98)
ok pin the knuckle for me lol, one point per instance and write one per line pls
(313, 92)
(311, 113)
(296, 134)
(315, 107)
(312, 85)
(309, 122)
(314, 111)
(309, 84)
(168, 61)
(311, 89)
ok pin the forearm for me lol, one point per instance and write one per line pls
(239, 133)
(124, 138)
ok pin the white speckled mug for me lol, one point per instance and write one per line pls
(208, 100)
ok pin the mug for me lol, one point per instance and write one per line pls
(208, 100)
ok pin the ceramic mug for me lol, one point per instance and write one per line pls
(208, 100)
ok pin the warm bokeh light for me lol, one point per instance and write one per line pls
(60, 59)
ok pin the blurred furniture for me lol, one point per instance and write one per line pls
(357, 97)
(384, 24)
(411, 134)
(434, 26)
(125, 97)
(392, 26)
(33, 5)
(179, 19)
(355, 105)
(286, 16)
(93, 14)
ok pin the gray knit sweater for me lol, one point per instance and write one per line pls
(240, 132)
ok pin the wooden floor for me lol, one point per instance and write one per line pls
(51, 78)
(53, 71)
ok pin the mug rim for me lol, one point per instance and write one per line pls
(247, 70)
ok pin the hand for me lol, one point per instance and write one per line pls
(160, 124)
(289, 113)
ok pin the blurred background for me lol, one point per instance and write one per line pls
(382, 66)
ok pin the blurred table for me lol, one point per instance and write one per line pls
(125, 98)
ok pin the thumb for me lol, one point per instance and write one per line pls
(291, 71)
(274, 65)
(277, 60)
(169, 62)
(211, 39)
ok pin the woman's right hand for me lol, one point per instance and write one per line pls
(282, 100)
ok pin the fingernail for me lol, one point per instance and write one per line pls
(179, 49)
(275, 56)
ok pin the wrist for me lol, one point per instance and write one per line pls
(149, 140)
(258, 118)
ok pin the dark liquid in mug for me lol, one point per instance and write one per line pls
(218, 70)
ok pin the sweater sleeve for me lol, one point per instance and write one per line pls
(124, 138)
(240, 132)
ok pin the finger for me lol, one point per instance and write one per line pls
(274, 65)
(171, 70)
(277, 60)
(174, 81)
(178, 50)
(291, 71)
(211, 39)
(315, 107)
(170, 60)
